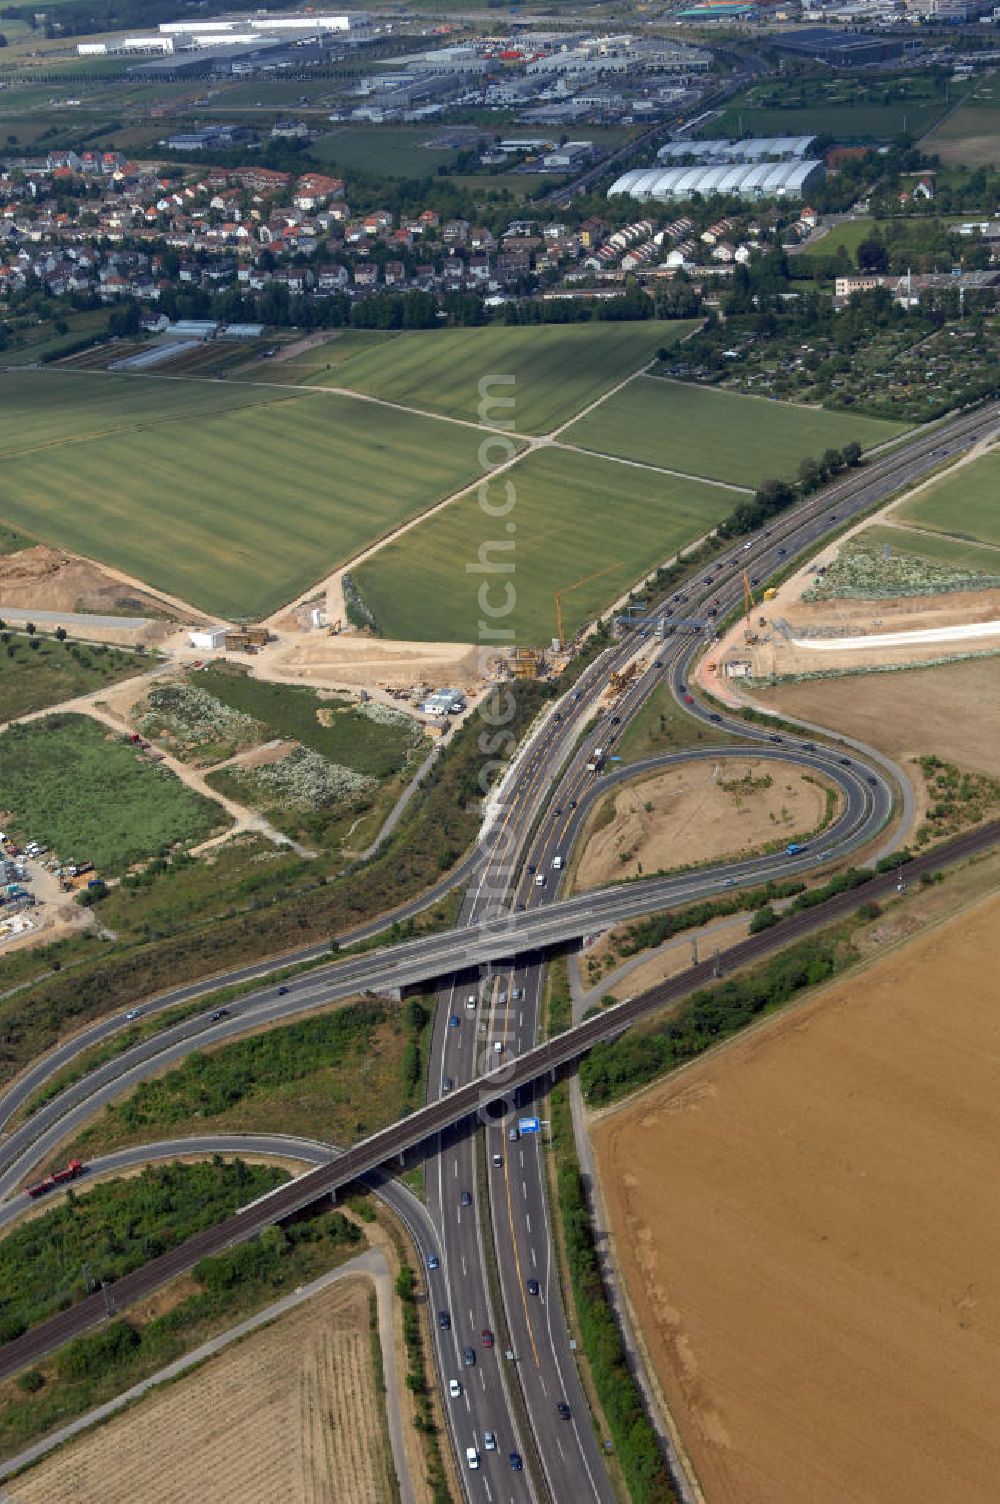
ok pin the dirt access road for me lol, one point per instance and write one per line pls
(809, 1228)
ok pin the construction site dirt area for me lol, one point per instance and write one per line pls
(47, 579)
(952, 711)
(702, 811)
(290, 1414)
(808, 1227)
(372, 662)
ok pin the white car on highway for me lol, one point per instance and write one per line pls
(454, 1388)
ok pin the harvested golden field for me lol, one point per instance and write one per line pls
(809, 1231)
(291, 1414)
(952, 711)
(698, 812)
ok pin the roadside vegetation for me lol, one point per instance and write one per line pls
(101, 1233)
(636, 1445)
(345, 1072)
(419, 1377)
(611, 1071)
(371, 739)
(95, 1367)
(89, 795)
(190, 919)
(956, 799)
(37, 671)
(862, 572)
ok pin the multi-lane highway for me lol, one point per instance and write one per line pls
(508, 916)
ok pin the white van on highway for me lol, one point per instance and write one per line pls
(472, 1457)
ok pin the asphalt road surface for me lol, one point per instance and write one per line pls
(513, 1396)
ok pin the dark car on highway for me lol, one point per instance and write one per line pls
(515, 1462)
(469, 1357)
(563, 1410)
(532, 1287)
(444, 1321)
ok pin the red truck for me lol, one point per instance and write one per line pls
(74, 1169)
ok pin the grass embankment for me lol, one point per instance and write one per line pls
(664, 726)
(339, 1075)
(39, 671)
(720, 435)
(195, 920)
(90, 795)
(935, 548)
(219, 1292)
(961, 505)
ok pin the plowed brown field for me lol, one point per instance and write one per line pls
(809, 1228)
(288, 1416)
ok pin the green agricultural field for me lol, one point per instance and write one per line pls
(586, 527)
(397, 151)
(43, 672)
(92, 796)
(965, 504)
(970, 135)
(845, 107)
(11, 541)
(45, 408)
(236, 511)
(345, 734)
(849, 234)
(938, 548)
(720, 435)
(557, 368)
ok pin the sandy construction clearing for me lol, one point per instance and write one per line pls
(809, 1228)
(289, 1415)
(699, 812)
(952, 711)
(316, 658)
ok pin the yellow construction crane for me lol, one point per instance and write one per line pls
(749, 635)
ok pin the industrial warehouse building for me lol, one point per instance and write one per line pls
(752, 180)
(754, 149)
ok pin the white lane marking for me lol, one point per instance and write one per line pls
(527, 1218)
(522, 1159)
(465, 1272)
(559, 1445)
(533, 1259)
(524, 1190)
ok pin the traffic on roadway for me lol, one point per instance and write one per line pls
(520, 1424)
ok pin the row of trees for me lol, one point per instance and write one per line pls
(776, 496)
(613, 1070)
